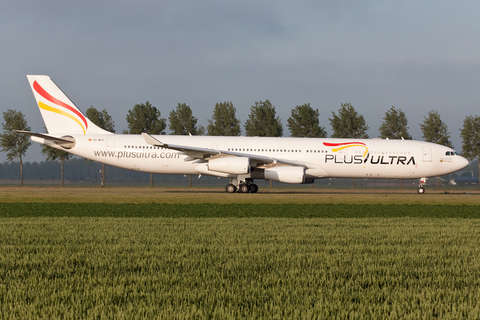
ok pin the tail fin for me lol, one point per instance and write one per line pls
(60, 115)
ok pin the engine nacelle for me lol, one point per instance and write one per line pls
(235, 165)
(67, 145)
(286, 174)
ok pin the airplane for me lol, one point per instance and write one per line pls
(240, 159)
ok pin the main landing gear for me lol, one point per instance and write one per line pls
(243, 187)
(421, 189)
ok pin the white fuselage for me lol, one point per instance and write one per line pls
(241, 159)
(341, 158)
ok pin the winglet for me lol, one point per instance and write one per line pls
(152, 141)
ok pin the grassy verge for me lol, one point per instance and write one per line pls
(205, 195)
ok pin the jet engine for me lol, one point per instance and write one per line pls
(286, 174)
(234, 165)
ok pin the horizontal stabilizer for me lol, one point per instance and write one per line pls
(66, 142)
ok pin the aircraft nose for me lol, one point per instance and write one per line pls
(462, 162)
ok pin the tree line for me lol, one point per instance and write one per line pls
(262, 122)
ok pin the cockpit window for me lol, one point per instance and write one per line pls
(451, 153)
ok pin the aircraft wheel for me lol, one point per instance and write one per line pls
(230, 188)
(421, 190)
(243, 188)
(253, 188)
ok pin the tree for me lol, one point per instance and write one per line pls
(182, 121)
(304, 122)
(262, 121)
(394, 125)
(145, 117)
(348, 124)
(57, 154)
(104, 121)
(101, 118)
(15, 144)
(224, 122)
(435, 130)
(470, 134)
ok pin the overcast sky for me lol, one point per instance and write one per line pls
(415, 55)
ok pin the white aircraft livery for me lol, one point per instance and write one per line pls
(241, 159)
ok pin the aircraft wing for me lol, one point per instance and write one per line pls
(195, 153)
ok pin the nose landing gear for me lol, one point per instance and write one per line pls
(421, 189)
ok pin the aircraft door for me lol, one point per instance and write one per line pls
(426, 154)
(110, 144)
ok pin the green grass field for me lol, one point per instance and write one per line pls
(196, 256)
(246, 210)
